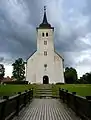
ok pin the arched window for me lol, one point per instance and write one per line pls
(46, 34)
(42, 34)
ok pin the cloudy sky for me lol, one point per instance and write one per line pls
(70, 18)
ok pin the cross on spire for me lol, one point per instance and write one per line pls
(44, 8)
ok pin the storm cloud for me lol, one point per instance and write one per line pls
(70, 18)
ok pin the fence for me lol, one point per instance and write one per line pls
(80, 105)
(9, 107)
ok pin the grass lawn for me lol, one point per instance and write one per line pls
(80, 89)
(10, 90)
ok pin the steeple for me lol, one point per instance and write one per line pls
(44, 18)
(45, 24)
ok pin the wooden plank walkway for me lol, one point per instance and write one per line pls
(47, 109)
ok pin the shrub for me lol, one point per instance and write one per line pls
(59, 83)
(15, 82)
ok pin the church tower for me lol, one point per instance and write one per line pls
(45, 34)
(45, 65)
(45, 46)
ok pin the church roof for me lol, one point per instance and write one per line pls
(59, 55)
(31, 55)
(45, 24)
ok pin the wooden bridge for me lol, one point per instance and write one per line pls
(47, 109)
(42, 106)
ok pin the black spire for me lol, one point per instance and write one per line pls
(45, 18)
(45, 23)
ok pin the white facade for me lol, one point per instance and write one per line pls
(45, 61)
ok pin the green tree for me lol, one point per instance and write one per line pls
(70, 75)
(2, 71)
(19, 69)
(85, 79)
(88, 78)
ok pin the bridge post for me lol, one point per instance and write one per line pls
(74, 101)
(63, 95)
(60, 93)
(18, 103)
(67, 97)
(32, 93)
(25, 97)
(2, 117)
(89, 109)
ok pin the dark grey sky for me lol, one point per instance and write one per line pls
(70, 18)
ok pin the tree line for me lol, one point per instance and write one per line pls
(70, 73)
(71, 77)
(18, 72)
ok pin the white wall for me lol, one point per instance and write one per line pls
(59, 70)
(31, 68)
(35, 64)
(49, 59)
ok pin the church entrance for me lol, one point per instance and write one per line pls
(45, 80)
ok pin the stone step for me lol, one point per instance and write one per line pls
(43, 92)
(43, 96)
(43, 88)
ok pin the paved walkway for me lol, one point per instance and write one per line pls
(47, 109)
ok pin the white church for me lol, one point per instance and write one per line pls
(45, 65)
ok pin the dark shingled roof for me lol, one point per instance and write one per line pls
(45, 24)
(31, 55)
(59, 55)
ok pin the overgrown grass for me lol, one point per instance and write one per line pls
(80, 89)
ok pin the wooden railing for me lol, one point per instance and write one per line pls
(80, 105)
(11, 106)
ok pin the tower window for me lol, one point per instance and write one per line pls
(45, 53)
(42, 34)
(46, 34)
(45, 65)
(45, 42)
